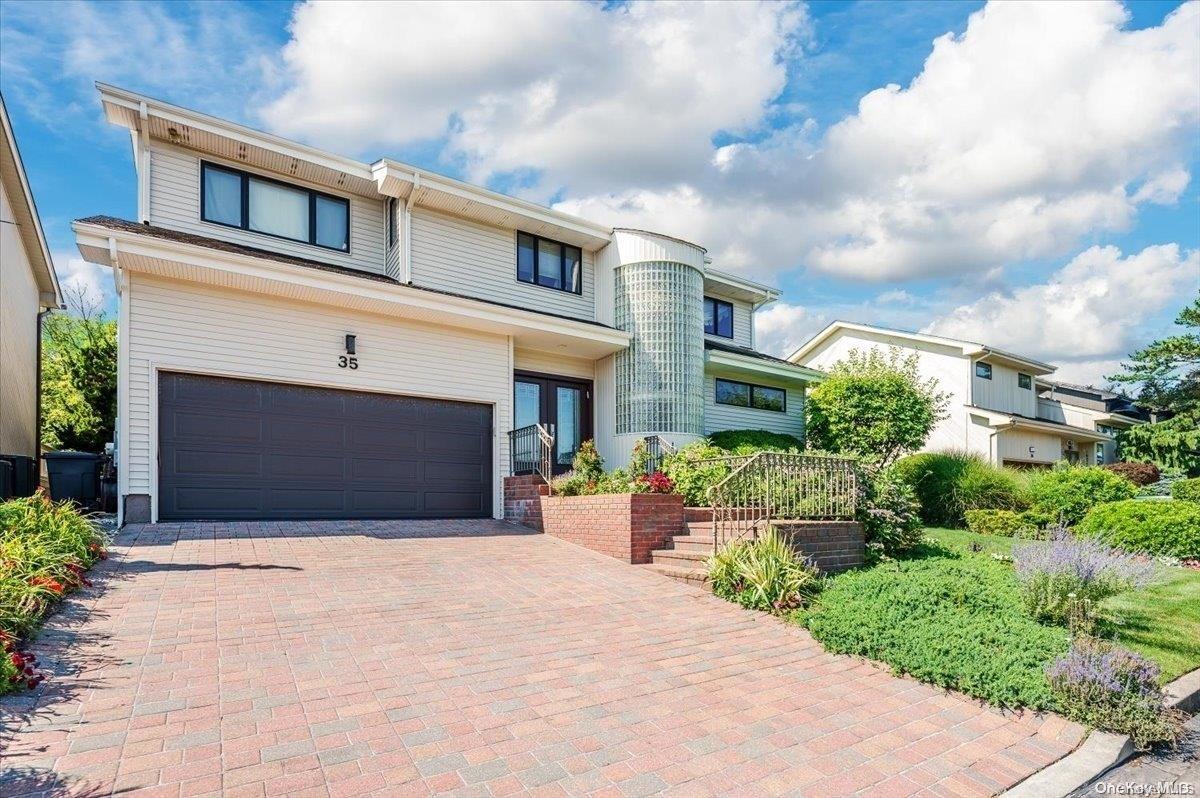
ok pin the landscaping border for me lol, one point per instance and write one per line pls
(1101, 751)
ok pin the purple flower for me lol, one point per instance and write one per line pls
(1084, 561)
(1091, 665)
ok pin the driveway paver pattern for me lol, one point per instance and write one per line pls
(472, 658)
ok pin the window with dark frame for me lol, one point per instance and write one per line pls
(744, 394)
(550, 264)
(983, 370)
(258, 204)
(718, 317)
(391, 221)
(1024, 381)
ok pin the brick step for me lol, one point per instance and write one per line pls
(704, 545)
(699, 527)
(697, 513)
(690, 575)
(679, 559)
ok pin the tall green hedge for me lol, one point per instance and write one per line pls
(1170, 528)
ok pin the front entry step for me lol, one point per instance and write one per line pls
(687, 557)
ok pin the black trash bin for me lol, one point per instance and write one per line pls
(22, 476)
(74, 476)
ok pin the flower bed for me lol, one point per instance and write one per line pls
(45, 549)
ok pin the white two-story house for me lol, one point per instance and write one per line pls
(304, 335)
(1000, 405)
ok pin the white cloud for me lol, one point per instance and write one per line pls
(780, 328)
(1088, 314)
(1042, 124)
(84, 282)
(588, 96)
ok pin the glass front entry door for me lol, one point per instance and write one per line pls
(562, 405)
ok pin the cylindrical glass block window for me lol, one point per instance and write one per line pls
(660, 377)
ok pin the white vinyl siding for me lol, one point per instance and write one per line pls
(1003, 393)
(1014, 445)
(718, 417)
(175, 204)
(742, 323)
(18, 340)
(465, 257)
(188, 327)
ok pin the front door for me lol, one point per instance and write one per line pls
(561, 404)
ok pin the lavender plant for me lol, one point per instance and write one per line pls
(1114, 689)
(1063, 579)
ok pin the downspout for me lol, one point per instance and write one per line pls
(143, 164)
(37, 418)
(406, 244)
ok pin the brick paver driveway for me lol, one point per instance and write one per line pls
(350, 658)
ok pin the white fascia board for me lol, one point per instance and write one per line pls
(231, 130)
(765, 292)
(765, 367)
(987, 353)
(1003, 421)
(99, 237)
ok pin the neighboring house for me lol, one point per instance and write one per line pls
(303, 335)
(1106, 412)
(28, 288)
(995, 408)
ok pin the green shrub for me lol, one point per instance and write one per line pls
(1140, 474)
(1166, 483)
(1186, 490)
(763, 574)
(950, 483)
(996, 522)
(956, 623)
(1169, 528)
(44, 550)
(890, 513)
(1114, 689)
(749, 441)
(1066, 493)
(694, 469)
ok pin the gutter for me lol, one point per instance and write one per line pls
(37, 417)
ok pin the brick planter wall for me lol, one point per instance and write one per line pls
(832, 545)
(521, 500)
(627, 526)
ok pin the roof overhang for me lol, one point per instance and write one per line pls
(752, 367)
(735, 287)
(430, 190)
(29, 226)
(1004, 421)
(136, 253)
(966, 348)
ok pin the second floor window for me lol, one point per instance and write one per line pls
(1024, 381)
(550, 264)
(261, 205)
(743, 394)
(718, 317)
(983, 371)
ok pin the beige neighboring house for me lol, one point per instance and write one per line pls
(1106, 412)
(28, 288)
(1002, 407)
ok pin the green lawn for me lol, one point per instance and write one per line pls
(1161, 621)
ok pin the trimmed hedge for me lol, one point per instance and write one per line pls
(749, 441)
(956, 623)
(996, 522)
(1186, 490)
(1168, 528)
(1066, 493)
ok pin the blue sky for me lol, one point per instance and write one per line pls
(1028, 181)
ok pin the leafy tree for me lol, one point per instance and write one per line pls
(874, 406)
(79, 377)
(1168, 370)
(1174, 443)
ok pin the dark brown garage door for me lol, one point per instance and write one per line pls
(238, 449)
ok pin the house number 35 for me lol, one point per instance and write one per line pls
(347, 362)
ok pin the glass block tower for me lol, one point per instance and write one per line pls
(659, 298)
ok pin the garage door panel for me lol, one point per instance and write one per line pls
(215, 463)
(308, 466)
(237, 449)
(239, 427)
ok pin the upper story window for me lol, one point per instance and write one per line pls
(1024, 381)
(550, 264)
(718, 317)
(742, 394)
(391, 221)
(262, 205)
(1106, 429)
(983, 370)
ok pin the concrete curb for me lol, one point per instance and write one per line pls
(1101, 751)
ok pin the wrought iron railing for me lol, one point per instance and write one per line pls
(531, 450)
(657, 450)
(769, 486)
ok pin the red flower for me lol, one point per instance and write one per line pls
(50, 583)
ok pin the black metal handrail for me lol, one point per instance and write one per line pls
(657, 450)
(531, 450)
